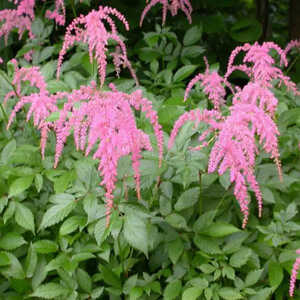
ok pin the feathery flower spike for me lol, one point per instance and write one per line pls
(212, 84)
(59, 13)
(91, 29)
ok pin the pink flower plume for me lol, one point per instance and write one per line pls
(293, 279)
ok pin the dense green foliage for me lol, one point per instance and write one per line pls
(183, 239)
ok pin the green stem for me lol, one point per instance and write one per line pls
(293, 63)
(4, 114)
(200, 198)
(73, 8)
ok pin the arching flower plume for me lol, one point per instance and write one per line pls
(260, 66)
(172, 5)
(291, 45)
(20, 18)
(235, 149)
(213, 86)
(294, 274)
(42, 104)
(91, 29)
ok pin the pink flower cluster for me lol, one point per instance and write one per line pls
(23, 16)
(173, 6)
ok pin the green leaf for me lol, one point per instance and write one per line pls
(184, 72)
(220, 230)
(207, 268)
(11, 241)
(71, 224)
(136, 293)
(20, 185)
(204, 221)
(192, 36)
(84, 280)
(252, 277)
(246, 30)
(262, 294)
(24, 217)
(187, 199)
(275, 274)
(8, 151)
(31, 262)
(177, 221)
(192, 51)
(110, 277)
(53, 116)
(192, 293)
(58, 212)
(228, 293)
(14, 270)
(38, 182)
(129, 284)
(240, 257)
(50, 290)
(175, 249)
(45, 246)
(135, 232)
(101, 231)
(4, 259)
(172, 290)
(208, 245)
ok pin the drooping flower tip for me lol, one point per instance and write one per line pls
(173, 7)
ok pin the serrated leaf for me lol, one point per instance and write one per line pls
(24, 217)
(228, 293)
(4, 259)
(84, 280)
(135, 232)
(101, 231)
(262, 294)
(14, 270)
(192, 35)
(50, 290)
(177, 221)
(38, 182)
(175, 249)
(172, 290)
(207, 245)
(187, 199)
(252, 277)
(110, 277)
(31, 262)
(8, 151)
(184, 72)
(11, 241)
(192, 293)
(57, 213)
(45, 246)
(71, 224)
(275, 274)
(204, 221)
(240, 257)
(207, 268)
(220, 230)
(20, 185)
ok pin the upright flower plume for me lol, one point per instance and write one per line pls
(42, 104)
(172, 6)
(213, 86)
(91, 29)
(295, 269)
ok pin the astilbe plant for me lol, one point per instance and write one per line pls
(93, 115)
(251, 116)
(172, 6)
(92, 29)
(58, 14)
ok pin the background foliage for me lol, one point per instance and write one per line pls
(183, 240)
